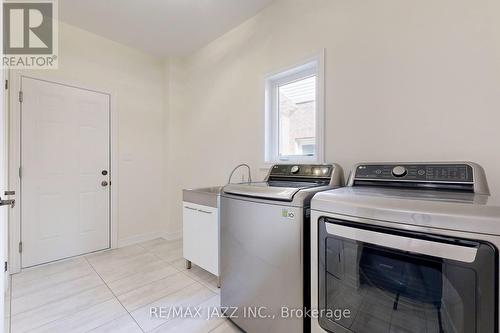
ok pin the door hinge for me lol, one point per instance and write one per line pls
(6, 84)
(20, 247)
(20, 172)
(21, 97)
(5, 267)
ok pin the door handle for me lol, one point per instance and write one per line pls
(9, 193)
(402, 243)
(104, 183)
(8, 202)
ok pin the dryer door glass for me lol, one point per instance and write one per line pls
(381, 280)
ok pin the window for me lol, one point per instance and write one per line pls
(294, 114)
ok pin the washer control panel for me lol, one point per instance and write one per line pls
(448, 173)
(302, 170)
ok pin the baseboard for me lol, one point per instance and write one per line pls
(138, 239)
(172, 235)
(148, 236)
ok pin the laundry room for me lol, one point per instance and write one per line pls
(250, 166)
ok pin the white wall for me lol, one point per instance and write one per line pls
(136, 81)
(405, 81)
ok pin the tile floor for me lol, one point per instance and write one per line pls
(113, 291)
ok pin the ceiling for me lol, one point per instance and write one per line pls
(159, 27)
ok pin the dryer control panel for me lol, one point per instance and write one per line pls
(446, 176)
(416, 172)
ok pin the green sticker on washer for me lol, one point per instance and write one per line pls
(287, 214)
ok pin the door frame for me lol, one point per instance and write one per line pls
(5, 115)
(15, 159)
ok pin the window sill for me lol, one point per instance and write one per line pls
(268, 165)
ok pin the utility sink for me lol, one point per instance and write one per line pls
(204, 196)
(213, 189)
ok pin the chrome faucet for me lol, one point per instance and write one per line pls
(236, 168)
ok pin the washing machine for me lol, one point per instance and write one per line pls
(265, 246)
(406, 247)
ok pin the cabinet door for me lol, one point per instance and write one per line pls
(201, 236)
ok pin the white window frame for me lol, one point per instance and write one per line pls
(311, 66)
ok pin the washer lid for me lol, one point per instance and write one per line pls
(282, 191)
(467, 212)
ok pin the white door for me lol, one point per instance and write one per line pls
(65, 178)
